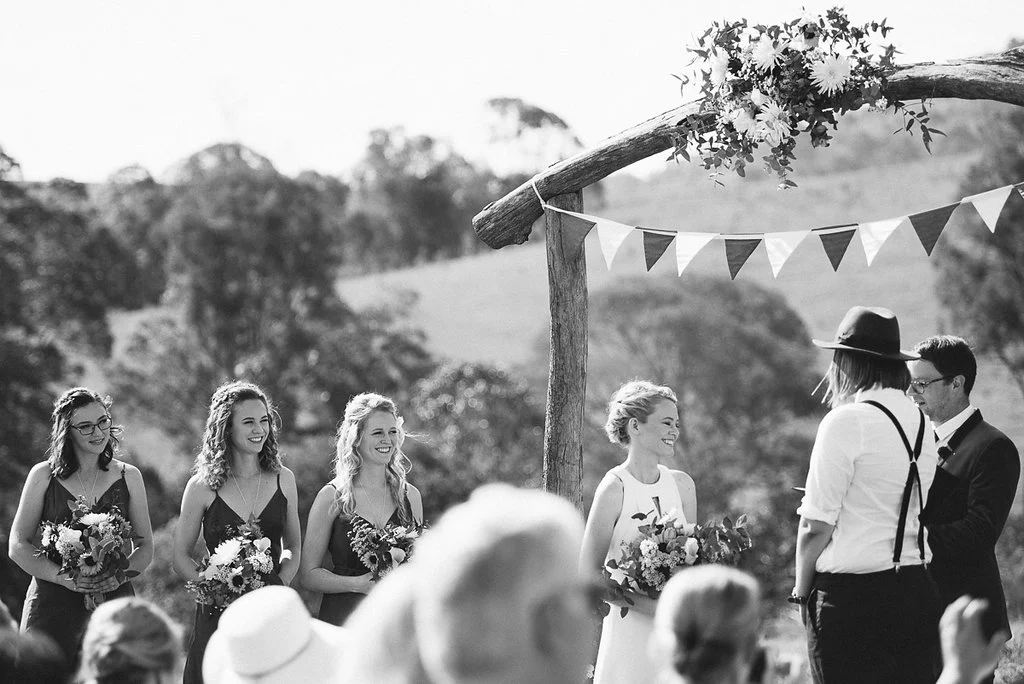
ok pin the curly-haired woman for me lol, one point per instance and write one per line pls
(370, 484)
(80, 464)
(238, 477)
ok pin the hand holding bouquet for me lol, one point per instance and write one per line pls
(96, 542)
(237, 566)
(668, 545)
(382, 549)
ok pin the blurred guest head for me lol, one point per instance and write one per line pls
(706, 626)
(130, 641)
(269, 636)
(498, 594)
(31, 657)
(382, 646)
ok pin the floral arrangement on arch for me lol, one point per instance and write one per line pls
(666, 546)
(766, 84)
(237, 566)
(382, 549)
(98, 539)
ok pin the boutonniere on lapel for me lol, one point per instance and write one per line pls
(945, 453)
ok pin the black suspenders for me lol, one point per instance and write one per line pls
(913, 477)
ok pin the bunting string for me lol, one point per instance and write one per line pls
(835, 240)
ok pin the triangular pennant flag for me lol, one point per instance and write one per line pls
(688, 245)
(611, 234)
(737, 252)
(655, 245)
(1020, 188)
(835, 245)
(573, 230)
(874, 234)
(781, 245)
(929, 225)
(990, 204)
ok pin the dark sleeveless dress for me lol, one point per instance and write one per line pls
(335, 608)
(52, 609)
(219, 523)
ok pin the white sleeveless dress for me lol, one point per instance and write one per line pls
(622, 656)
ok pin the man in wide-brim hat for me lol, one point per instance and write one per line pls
(869, 607)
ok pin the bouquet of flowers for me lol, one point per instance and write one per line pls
(237, 566)
(381, 549)
(98, 539)
(667, 545)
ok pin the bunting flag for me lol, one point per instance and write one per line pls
(835, 244)
(573, 229)
(687, 247)
(655, 245)
(781, 246)
(737, 251)
(873, 235)
(611, 235)
(928, 225)
(990, 204)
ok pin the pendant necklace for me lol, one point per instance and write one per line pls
(92, 489)
(252, 509)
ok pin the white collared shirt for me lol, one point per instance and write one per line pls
(855, 482)
(944, 431)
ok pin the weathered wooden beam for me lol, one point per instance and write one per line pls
(507, 221)
(567, 363)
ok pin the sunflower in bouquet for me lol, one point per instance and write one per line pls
(237, 566)
(382, 549)
(667, 545)
(96, 540)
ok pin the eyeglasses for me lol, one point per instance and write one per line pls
(921, 385)
(87, 429)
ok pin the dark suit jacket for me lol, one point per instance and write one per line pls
(967, 506)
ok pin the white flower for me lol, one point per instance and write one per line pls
(691, 548)
(648, 547)
(262, 544)
(397, 555)
(772, 124)
(765, 54)
(758, 98)
(803, 42)
(94, 518)
(831, 74)
(741, 120)
(209, 573)
(717, 65)
(67, 535)
(226, 552)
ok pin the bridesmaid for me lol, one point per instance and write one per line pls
(238, 475)
(370, 484)
(80, 463)
(643, 418)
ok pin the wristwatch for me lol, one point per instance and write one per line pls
(799, 600)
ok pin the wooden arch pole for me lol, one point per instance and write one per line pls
(567, 361)
(508, 221)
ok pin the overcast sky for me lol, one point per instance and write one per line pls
(87, 87)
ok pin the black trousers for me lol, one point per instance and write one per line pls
(879, 627)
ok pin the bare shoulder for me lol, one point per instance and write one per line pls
(287, 476)
(196, 490)
(413, 493)
(39, 475)
(131, 472)
(683, 480)
(609, 491)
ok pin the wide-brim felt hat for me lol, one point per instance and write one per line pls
(870, 330)
(268, 636)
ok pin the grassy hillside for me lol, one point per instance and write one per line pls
(493, 306)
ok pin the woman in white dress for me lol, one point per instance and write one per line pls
(644, 419)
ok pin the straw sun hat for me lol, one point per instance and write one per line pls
(268, 636)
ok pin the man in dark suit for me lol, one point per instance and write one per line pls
(976, 481)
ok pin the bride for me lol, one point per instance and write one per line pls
(644, 419)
